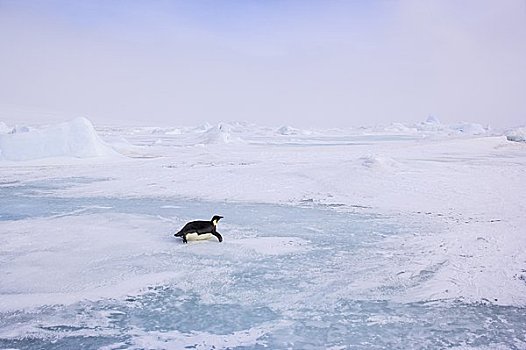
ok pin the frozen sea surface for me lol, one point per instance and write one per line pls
(286, 277)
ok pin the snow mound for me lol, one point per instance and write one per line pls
(19, 129)
(203, 127)
(219, 134)
(289, 130)
(397, 128)
(432, 120)
(76, 138)
(517, 135)
(378, 162)
(174, 131)
(4, 129)
(433, 125)
(468, 128)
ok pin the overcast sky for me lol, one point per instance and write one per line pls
(302, 63)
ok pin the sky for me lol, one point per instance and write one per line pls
(302, 63)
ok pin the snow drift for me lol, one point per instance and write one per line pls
(76, 138)
(289, 130)
(219, 134)
(517, 135)
(4, 129)
(433, 125)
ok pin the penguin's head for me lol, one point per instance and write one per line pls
(216, 219)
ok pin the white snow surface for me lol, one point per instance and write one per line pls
(458, 198)
(472, 185)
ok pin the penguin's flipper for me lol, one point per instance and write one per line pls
(215, 233)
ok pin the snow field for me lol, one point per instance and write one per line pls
(331, 239)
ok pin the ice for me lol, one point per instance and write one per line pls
(378, 162)
(19, 129)
(434, 126)
(4, 129)
(289, 130)
(364, 238)
(219, 134)
(517, 134)
(432, 120)
(76, 138)
(469, 128)
(396, 128)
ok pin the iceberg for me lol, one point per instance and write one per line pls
(76, 138)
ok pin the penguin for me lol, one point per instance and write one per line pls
(199, 230)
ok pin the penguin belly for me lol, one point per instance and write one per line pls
(195, 237)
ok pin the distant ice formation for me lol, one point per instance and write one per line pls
(204, 127)
(76, 138)
(517, 135)
(378, 162)
(289, 130)
(432, 120)
(19, 129)
(4, 129)
(397, 128)
(219, 134)
(468, 128)
(433, 125)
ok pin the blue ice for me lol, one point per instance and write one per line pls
(299, 300)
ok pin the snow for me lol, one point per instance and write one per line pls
(378, 162)
(289, 130)
(434, 126)
(76, 138)
(19, 129)
(469, 128)
(388, 236)
(517, 135)
(219, 134)
(4, 129)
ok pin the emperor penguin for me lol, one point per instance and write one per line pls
(200, 230)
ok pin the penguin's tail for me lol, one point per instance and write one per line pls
(178, 234)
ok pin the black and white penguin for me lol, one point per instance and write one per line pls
(200, 230)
